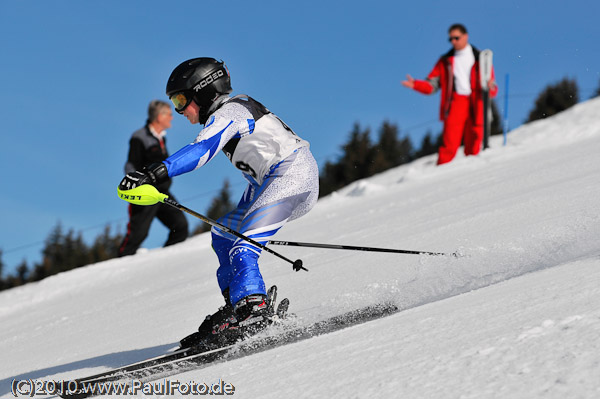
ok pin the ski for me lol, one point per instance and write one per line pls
(190, 350)
(485, 75)
(147, 370)
(187, 360)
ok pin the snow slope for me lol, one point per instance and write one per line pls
(517, 317)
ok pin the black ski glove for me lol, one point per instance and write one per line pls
(152, 174)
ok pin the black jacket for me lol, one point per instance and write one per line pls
(144, 150)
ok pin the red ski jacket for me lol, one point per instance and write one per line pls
(442, 77)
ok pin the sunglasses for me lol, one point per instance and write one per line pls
(453, 38)
(181, 100)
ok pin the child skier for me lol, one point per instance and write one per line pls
(283, 185)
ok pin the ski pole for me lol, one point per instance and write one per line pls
(355, 248)
(148, 195)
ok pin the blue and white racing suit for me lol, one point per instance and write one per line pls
(283, 184)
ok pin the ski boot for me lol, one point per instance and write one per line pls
(252, 313)
(230, 324)
(213, 325)
(257, 312)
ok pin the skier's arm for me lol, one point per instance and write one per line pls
(217, 132)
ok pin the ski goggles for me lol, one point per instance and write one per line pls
(181, 100)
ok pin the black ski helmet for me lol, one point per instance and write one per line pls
(203, 80)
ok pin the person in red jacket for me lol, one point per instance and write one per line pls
(456, 74)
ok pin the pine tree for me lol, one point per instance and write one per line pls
(51, 254)
(75, 252)
(429, 145)
(554, 99)
(22, 273)
(61, 252)
(357, 155)
(385, 152)
(106, 246)
(331, 179)
(2, 282)
(355, 162)
(40, 271)
(390, 151)
(406, 152)
(361, 159)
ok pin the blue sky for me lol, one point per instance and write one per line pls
(77, 77)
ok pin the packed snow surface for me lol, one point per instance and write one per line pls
(517, 315)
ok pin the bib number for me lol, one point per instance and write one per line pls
(244, 167)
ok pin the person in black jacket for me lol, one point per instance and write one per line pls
(148, 146)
